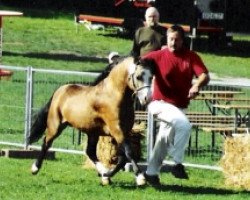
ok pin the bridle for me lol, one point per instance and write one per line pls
(136, 90)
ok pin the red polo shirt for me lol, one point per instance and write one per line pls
(174, 73)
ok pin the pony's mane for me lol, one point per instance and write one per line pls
(107, 70)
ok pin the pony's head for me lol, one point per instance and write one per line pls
(140, 79)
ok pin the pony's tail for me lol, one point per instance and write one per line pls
(39, 123)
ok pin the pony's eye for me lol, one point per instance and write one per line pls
(139, 77)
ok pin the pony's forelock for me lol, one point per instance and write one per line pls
(131, 68)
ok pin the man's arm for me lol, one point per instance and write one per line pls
(202, 80)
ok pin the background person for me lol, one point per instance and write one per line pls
(175, 68)
(150, 37)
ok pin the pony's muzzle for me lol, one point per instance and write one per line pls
(144, 95)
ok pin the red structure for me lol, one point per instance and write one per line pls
(136, 3)
(208, 16)
(120, 21)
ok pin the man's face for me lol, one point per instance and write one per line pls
(152, 19)
(174, 41)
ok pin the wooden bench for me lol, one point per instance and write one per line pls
(205, 121)
(214, 120)
(227, 99)
(115, 21)
(241, 119)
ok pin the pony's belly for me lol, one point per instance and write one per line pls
(86, 124)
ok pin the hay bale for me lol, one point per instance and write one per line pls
(236, 161)
(107, 150)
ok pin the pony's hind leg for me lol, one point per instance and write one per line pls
(38, 163)
(47, 143)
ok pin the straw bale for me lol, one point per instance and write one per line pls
(236, 161)
(107, 150)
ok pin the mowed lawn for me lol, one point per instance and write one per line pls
(65, 178)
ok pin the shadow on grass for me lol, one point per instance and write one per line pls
(190, 189)
(57, 56)
(238, 49)
(197, 190)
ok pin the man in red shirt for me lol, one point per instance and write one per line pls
(176, 66)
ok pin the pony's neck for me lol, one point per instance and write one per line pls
(119, 75)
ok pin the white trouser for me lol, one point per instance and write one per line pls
(172, 137)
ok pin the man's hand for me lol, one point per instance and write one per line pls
(202, 80)
(193, 92)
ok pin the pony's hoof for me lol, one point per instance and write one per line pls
(34, 169)
(140, 180)
(105, 180)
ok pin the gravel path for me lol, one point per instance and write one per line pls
(230, 80)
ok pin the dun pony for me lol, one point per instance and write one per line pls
(104, 108)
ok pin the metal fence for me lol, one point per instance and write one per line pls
(25, 93)
(29, 89)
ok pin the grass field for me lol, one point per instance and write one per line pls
(51, 41)
(66, 179)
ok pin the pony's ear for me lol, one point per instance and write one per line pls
(137, 60)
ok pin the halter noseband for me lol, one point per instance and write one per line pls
(140, 88)
(136, 90)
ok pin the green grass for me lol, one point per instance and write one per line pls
(53, 42)
(65, 178)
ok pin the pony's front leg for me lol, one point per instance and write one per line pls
(118, 135)
(120, 164)
(125, 153)
(140, 179)
(91, 152)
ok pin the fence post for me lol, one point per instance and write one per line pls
(150, 135)
(28, 105)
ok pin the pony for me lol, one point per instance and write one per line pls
(103, 108)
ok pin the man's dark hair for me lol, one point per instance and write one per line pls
(177, 28)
